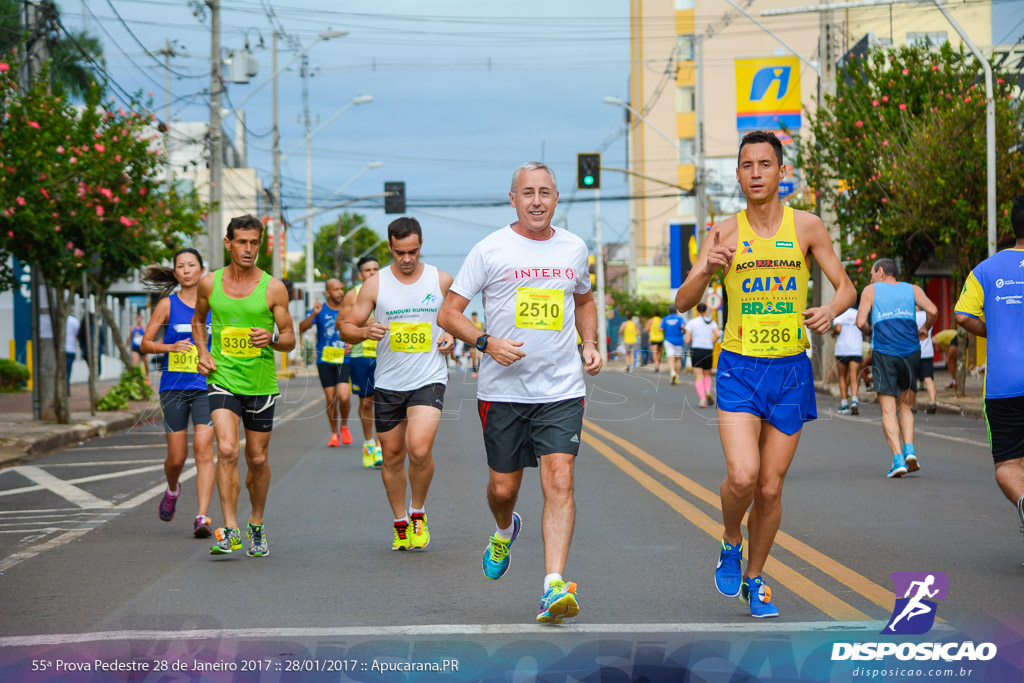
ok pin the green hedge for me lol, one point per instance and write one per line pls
(13, 374)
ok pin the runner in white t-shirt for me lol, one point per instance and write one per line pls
(849, 354)
(411, 373)
(536, 293)
(701, 333)
(926, 371)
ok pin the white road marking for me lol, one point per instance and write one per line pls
(97, 463)
(118, 448)
(18, 557)
(758, 627)
(80, 480)
(958, 439)
(41, 510)
(64, 489)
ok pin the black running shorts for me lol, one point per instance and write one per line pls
(702, 358)
(893, 375)
(178, 404)
(391, 407)
(257, 412)
(846, 360)
(926, 370)
(332, 374)
(517, 434)
(1005, 420)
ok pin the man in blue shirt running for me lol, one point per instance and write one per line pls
(992, 306)
(896, 354)
(673, 325)
(331, 361)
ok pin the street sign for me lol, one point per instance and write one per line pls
(786, 188)
(713, 301)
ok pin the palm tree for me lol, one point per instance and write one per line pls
(69, 67)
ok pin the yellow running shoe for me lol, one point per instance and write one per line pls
(368, 455)
(401, 541)
(420, 536)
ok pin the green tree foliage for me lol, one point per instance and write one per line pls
(74, 58)
(82, 194)
(899, 152)
(331, 260)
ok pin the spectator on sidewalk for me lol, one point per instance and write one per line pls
(926, 371)
(947, 342)
(70, 335)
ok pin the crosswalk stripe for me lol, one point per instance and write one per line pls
(62, 488)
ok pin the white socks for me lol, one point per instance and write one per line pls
(549, 579)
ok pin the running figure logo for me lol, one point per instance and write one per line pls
(914, 613)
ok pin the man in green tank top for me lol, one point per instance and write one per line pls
(239, 368)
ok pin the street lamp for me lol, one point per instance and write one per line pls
(359, 99)
(369, 167)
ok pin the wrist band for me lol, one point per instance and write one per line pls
(589, 341)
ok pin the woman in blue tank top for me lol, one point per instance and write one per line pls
(182, 388)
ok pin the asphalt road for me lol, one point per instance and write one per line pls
(90, 572)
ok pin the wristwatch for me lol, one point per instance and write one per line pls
(481, 342)
(274, 337)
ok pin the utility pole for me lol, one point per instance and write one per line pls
(700, 180)
(309, 183)
(602, 317)
(214, 228)
(168, 51)
(823, 346)
(277, 268)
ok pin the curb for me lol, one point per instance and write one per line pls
(976, 412)
(64, 435)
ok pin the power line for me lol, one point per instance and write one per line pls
(144, 48)
(118, 90)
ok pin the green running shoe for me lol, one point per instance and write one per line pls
(228, 540)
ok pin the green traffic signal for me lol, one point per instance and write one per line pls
(588, 171)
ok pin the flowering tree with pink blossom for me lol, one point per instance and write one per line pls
(899, 152)
(82, 192)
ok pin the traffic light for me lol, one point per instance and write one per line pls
(588, 171)
(394, 202)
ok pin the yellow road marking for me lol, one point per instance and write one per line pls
(854, 580)
(792, 579)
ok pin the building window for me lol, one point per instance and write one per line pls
(684, 48)
(685, 99)
(687, 151)
(684, 4)
(931, 38)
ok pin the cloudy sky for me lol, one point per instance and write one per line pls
(464, 92)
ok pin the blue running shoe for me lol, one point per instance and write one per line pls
(899, 466)
(729, 574)
(910, 458)
(496, 554)
(558, 602)
(758, 595)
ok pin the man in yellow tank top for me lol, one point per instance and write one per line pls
(765, 383)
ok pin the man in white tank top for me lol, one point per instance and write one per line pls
(411, 373)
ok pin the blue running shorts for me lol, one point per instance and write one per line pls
(780, 390)
(361, 374)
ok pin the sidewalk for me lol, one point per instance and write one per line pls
(971, 404)
(21, 437)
